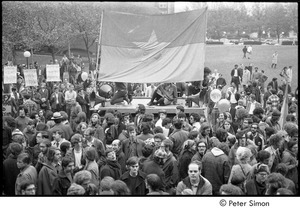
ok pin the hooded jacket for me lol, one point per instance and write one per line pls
(112, 169)
(216, 168)
(46, 179)
(170, 169)
(62, 183)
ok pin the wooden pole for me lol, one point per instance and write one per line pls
(99, 44)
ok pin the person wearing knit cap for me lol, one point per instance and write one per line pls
(18, 137)
(154, 166)
(216, 168)
(257, 184)
(272, 121)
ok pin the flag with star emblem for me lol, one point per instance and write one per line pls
(153, 48)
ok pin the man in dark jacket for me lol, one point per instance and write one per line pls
(132, 146)
(170, 167)
(216, 167)
(117, 147)
(257, 185)
(49, 172)
(178, 137)
(154, 166)
(134, 178)
(63, 181)
(10, 169)
(111, 168)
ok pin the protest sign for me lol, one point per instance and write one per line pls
(10, 74)
(52, 73)
(30, 77)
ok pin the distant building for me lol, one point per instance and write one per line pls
(165, 7)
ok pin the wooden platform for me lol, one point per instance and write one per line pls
(131, 108)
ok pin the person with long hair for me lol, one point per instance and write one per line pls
(205, 133)
(81, 127)
(185, 157)
(228, 127)
(96, 124)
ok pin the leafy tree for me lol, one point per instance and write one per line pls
(258, 18)
(50, 30)
(292, 15)
(16, 22)
(85, 21)
(276, 19)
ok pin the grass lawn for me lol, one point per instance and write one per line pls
(224, 57)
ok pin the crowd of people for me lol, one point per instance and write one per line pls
(54, 144)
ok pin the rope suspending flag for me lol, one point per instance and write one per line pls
(153, 48)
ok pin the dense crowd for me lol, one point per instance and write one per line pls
(55, 144)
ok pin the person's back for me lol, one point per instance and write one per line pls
(46, 178)
(216, 168)
(178, 137)
(10, 173)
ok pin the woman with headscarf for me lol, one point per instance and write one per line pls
(185, 157)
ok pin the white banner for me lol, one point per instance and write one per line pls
(52, 72)
(30, 77)
(10, 74)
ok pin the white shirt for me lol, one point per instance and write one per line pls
(56, 96)
(235, 73)
(159, 123)
(252, 107)
(289, 74)
(149, 91)
(77, 158)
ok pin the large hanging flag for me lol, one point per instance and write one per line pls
(153, 48)
(284, 108)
